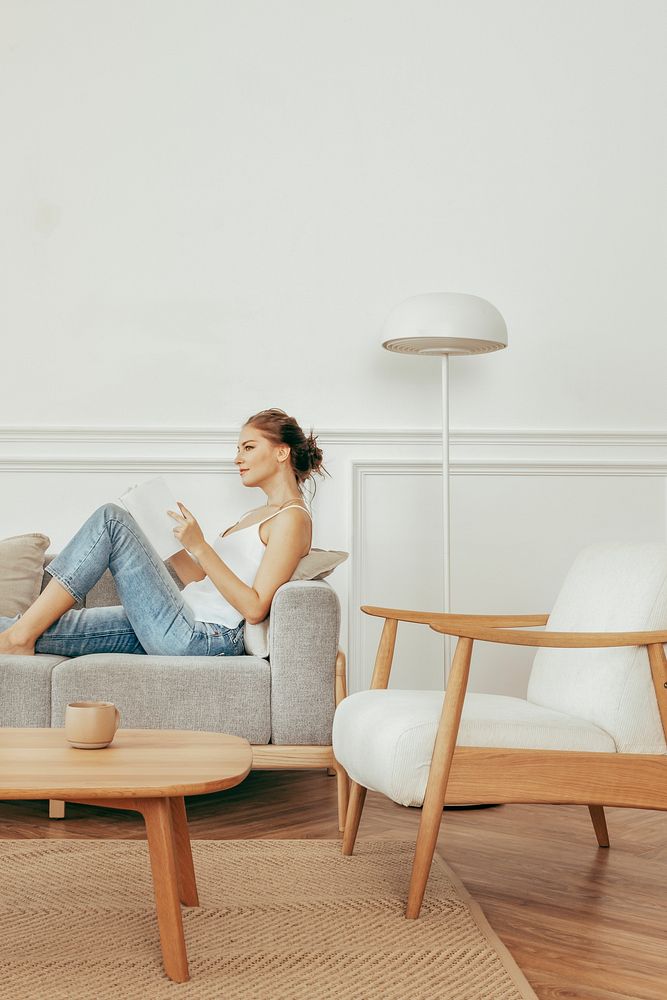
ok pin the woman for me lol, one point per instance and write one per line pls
(227, 583)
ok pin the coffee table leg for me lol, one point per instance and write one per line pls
(162, 849)
(187, 884)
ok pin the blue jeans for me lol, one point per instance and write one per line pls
(153, 618)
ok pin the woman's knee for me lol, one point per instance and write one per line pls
(113, 512)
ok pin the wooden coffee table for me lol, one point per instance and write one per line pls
(146, 770)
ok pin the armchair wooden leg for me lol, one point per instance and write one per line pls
(441, 763)
(342, 786)
(354, 810)
(56, 809)
(599, 825)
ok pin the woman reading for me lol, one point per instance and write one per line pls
(227, 583)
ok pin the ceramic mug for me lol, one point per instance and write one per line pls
(91, 725)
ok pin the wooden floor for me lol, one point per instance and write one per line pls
(583, 923)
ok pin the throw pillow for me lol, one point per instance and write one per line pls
(315, 566)
(318, 564)
(21, 569)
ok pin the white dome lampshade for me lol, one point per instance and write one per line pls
(443, 323)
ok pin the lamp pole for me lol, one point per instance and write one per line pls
(437, 324)
(446, 555)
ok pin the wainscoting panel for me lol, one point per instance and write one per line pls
(397, 545)
(513, 536)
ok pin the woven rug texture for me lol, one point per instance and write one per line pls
(278, 920)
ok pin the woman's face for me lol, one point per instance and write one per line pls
(258, 458)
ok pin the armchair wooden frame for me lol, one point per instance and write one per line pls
(486, 774)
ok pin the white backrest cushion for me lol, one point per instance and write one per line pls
(610, 588)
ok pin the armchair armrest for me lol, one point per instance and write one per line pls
(392, 616)
(304, 633)
(563, 640)
(493, 628)
(432, 617)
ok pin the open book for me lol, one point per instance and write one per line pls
(148, 504)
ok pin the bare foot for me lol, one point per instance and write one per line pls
(9, 646)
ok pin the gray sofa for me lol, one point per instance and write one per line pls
(282, 704)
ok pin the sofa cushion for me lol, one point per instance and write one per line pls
(25, 690)
(385, 739)
(230, 694)
(21, 569)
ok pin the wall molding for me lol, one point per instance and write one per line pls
(212, 465)
(205, 449)
(511, 467)
(68, 435)
(117, 463)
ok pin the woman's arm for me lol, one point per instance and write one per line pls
(185, 568)
(288, 538)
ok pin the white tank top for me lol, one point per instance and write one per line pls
(243, 551)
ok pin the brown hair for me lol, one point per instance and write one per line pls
(305, 454)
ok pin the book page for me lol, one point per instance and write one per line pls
(148, 504)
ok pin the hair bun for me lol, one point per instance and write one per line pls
(312, 450)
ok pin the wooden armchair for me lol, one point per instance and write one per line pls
(592, 730)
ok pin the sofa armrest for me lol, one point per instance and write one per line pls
(304, 633)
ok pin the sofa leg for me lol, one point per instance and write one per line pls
(599, 825)
(340, 684)
(56, 809)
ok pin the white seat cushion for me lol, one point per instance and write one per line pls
(384, 739)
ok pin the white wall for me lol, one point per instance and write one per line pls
(210, 207)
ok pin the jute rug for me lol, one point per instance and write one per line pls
(279, 920)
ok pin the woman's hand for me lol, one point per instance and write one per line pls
(187, 530)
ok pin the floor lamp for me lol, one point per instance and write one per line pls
(441, 324)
